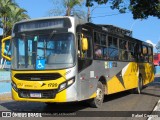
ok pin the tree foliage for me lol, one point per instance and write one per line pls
(141, 9)
(67, 8)
(70, 4)
(158, 46)
(10, 13)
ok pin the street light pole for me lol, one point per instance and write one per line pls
(88, 14)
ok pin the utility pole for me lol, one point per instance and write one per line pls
(88, 15)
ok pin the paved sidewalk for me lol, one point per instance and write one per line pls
(157, 75)
(5, 76)
(5, 86)
(5, 97)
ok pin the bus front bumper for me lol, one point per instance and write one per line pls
(57, 97)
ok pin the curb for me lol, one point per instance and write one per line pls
(157, 75)
(5, 96)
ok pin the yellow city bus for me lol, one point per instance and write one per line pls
(65, 59)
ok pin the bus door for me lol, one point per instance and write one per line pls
(146, 64)
(84, 65)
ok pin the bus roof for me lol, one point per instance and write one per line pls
(112, 28)
(82, 21)
(117, 31)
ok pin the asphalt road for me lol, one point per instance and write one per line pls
(120, 106)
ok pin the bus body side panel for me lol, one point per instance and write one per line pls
(119, 76)
(86, 82)
(125, 79)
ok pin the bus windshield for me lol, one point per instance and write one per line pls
(43, 51)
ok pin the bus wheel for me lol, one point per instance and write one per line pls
(140, 85)
(98, 100)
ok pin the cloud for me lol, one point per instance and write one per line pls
(149, 41)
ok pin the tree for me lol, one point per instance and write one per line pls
(141, 9)
(158, 47)
(16, 15)
(70, 4)
(70, 7)
(10, 13)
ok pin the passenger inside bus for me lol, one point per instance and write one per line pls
(98, 52)
(125, 51)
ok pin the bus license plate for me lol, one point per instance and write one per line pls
(35, 95)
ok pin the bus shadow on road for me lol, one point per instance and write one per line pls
(116, 96)
(150, 94)
(42, 107)
(74, 106)
(59, 107)
(153, 89)
(157, 79)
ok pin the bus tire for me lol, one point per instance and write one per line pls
(98, 100)
(140, 85)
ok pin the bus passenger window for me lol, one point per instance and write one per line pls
(145, 53)
(131, 54)
(103, 39)
(105, 51)
(124, 51)
(112, 48)
(97, 38)
(150, 54)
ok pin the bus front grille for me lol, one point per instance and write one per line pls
(37, 76)
(44, 94)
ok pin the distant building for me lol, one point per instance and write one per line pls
(157, 59)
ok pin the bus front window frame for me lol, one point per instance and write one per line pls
(35, 48)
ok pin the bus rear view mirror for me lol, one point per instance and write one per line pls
(4, 55)
(84, 43)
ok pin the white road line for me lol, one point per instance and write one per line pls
(157, 108)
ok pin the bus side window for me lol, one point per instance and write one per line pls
(150, 54)
(145, 53)
(113, 48)
(131, 51)
(124, 51)
(99, 43)
(139, 53)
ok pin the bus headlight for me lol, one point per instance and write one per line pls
(62, 86)
(66, 84)
(14, 86)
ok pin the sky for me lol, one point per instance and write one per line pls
(145, 30)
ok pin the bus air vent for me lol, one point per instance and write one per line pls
(37, 76)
